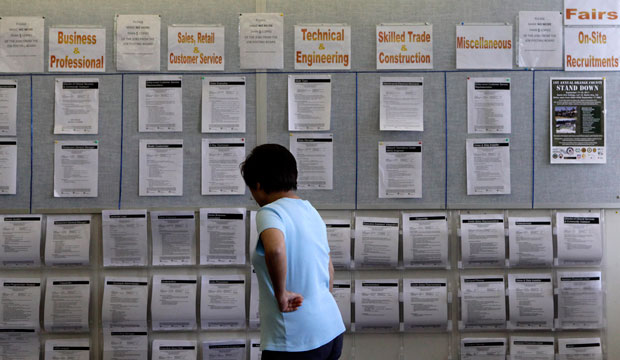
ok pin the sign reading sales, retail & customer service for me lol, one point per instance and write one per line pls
(196, 47)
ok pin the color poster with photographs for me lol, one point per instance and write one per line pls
(577, 121)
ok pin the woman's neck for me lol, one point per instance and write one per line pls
(271, 197)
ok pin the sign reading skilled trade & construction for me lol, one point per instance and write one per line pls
(484, 46)
(404, 47)
(592, 48)
(77, 49)
(591, 12)
(322, 47)
(196, 48)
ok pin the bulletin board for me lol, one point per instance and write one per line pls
(118, 135)
(533, 179)
(354, 123)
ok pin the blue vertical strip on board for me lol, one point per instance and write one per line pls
(445, 110)
(533, 134)
(120, 178)
(356, 140)
(31, 143)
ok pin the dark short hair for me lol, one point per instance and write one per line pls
(272, 166)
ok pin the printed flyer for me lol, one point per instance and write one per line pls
(577, 121)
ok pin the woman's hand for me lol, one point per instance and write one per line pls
(289, 301)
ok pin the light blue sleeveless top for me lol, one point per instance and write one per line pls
(318, 320)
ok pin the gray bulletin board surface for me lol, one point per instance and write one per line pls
(355, 101)
(109, 138)
(192, 139)
(433, 143)
(20, 202)
(111, 108)
(342, 126)
(594, 185)
(520, 143)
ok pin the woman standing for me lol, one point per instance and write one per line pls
(299, 316)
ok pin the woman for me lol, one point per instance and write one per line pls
(299, 316)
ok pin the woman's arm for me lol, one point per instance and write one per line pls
(275, 257)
